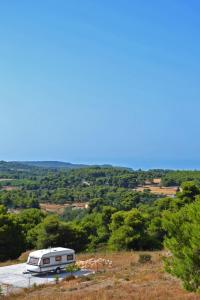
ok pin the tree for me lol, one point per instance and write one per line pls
(107, 212)
(12, 241)
(128, 230)
(155, 233)
(29, 219)
(95, 204)
(97, 232)
(53, 233)
(189, 192)
(122, 238)
(117, 220)
(183, 241)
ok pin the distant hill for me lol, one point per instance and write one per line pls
(35, 166)
(13, 166)
(53, 164)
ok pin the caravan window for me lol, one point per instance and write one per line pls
(33, 261)
(46, 261)
(58, 258)
(70, 257)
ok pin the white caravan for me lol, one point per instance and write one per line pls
(52, 259)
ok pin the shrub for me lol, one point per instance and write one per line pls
(56, 277)
(71, 268)
(144, 258)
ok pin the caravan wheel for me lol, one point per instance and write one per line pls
(58, 270)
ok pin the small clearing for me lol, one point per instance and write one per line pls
(118, 276)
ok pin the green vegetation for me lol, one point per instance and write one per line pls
(144, 258)
(12, 240)
(72, 268)
(137, 226)
(183, 241)
(31, 177)
(176, 178)
(19, 199)
(108, 185)
(117, 217)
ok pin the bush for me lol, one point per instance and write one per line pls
(56, 277)
(71, 268)
(34, 286)
(144, 258)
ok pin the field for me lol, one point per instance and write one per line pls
(155, 187)
(127, 278)
(53, 208)
(59, 208)
(167, 191)
(9, 188)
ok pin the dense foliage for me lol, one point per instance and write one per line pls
(12, 239)
(31, 176)
(130, 224)
(110, 185)
(183, 241)
(117, 217)
(176, 178)
(18, 199)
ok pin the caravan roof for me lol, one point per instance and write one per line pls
(58, 250)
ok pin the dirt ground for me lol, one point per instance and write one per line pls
(126, 279)
(167, 191)
(59, 208)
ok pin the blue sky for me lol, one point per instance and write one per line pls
(100, 82)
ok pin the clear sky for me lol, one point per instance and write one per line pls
(101, 81)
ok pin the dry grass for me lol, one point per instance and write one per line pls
(127, 279)
(157, 180)
(54, 208)
(23, 258)
(9, 188)
(7, 179)
(167, 191)
(59, 208)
